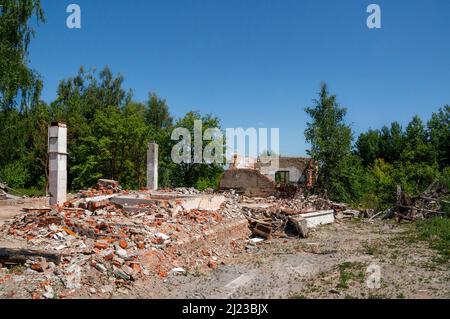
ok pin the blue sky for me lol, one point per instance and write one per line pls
(258, 63)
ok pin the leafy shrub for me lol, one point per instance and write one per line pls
(14, 174)
(204, 183)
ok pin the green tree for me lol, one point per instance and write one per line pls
(137, 136)
(439, 135)
(368, 147)
(417, 147)
(17, 80)
(158, 117)
(200, 175)
(157, 113)
(36, 156)
(84, 102)
(391, 143)
(115, 149)
(330, 140)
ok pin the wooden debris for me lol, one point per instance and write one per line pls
(422, 206)
(262, 230)
(20, 256)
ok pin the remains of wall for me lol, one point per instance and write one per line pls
(248, 182)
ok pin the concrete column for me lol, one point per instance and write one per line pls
(152, 166)
(57, 153)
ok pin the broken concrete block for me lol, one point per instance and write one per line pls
(301, 225)
(315, 219)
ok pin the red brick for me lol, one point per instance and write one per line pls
(212, 264)
(123, 244)
(100, 245)
(37, 267)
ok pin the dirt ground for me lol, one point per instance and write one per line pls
(332, 263)
(9, 209)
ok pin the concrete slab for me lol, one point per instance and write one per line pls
(187, 202)
(132, 200)
(318, 218)
(211, 202)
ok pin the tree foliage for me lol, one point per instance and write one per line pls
(108, 134)
(17, 80)
(413, 157)
(330, 140)
(200, 175)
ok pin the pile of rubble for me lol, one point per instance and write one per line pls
(96, 242)
(288, 217)
(106, 248)
(103, 187)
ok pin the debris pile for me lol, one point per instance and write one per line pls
(98, 244)
(108, 247)
(103, 187)
(282, 217)
(430, 203)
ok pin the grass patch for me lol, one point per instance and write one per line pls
(356, 220)
(372, 248)
(351, 271)
(30, 192)
(435, 231)
(17, 269)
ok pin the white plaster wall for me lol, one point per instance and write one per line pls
(294, 173)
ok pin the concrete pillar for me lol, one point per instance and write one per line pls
(57, 153)
(152, 166)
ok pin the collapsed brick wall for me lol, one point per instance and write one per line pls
(193, 251)
(248, 182)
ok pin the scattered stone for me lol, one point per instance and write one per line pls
(49, 293)
(122, 253)
(178, 270)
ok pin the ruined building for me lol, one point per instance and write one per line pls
(264, 176)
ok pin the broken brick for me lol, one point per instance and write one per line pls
(100, 245)
(123, 244)
(212, 264)
(37, 267)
